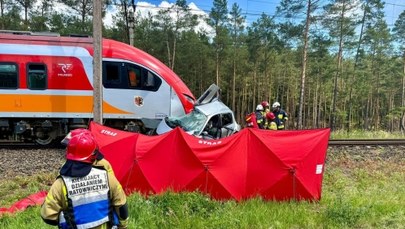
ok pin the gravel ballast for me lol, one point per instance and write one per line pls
(28, 162)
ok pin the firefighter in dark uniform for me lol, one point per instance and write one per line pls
(260, 119)
(85, 194)
(281, 115)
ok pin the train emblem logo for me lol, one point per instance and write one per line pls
(138, 101)
(65, 69)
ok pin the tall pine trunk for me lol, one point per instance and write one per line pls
(402, 125)
(338, 70)
(304, 64)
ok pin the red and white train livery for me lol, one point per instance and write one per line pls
(46, 87)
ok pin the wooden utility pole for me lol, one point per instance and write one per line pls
(97, 63)
(131, 19)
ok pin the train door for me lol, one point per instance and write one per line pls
(135, 90)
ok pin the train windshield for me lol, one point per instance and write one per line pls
(191, 122)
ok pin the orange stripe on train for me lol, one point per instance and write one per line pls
(53, 103)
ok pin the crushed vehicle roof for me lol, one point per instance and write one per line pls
(213, 107)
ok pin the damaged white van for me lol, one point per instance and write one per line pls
(210, 118)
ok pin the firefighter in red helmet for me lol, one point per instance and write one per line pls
(266, 110)
(271, 121)
(100, 161)
(266, 106)
(73, 133)
(85, 195)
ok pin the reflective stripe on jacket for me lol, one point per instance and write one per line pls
(251, 120)
(281, 117)
(272, 126)
(260, 119)
(55, 202)
(88, 199)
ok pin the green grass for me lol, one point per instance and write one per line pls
(356, 194)
(16, 188)
(361, 134)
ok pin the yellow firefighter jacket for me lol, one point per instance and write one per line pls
(56, 200)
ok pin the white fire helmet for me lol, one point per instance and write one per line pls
(276, 104)
(259, 107)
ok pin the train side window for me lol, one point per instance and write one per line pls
(134, 76)
(112, 72)
(8, 76)
(37, 76)
(151, 82)
(141, 78)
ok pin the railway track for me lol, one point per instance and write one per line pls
(332, 143)
(366, 142)
(26, 145)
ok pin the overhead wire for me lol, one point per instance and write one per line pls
(253, 14)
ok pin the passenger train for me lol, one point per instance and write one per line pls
(46, 87)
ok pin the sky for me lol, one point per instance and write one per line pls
(393, 8)
(253, 8)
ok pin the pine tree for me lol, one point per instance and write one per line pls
(294, 7)
(218, 20)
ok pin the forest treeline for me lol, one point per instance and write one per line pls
(330, 63)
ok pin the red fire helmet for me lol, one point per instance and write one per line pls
(270, 116)
(81, 147)
(265, 104)
(73, 133)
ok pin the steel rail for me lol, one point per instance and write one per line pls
(365, 142)
(332, 142)
(26, 145)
